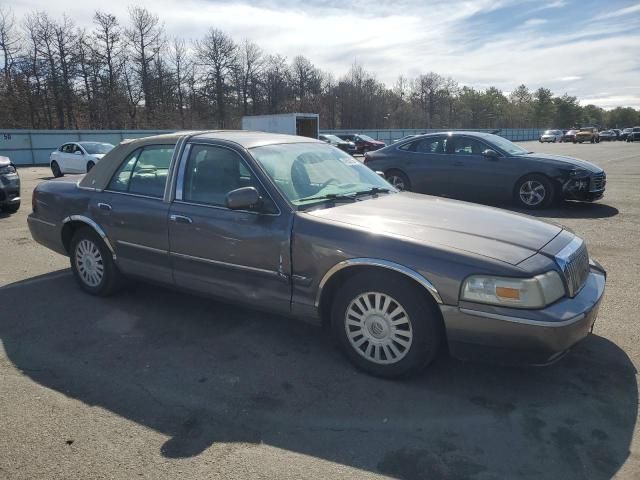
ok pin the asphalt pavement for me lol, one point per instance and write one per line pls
(155, 383)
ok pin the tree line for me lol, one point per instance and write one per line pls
(128, 73)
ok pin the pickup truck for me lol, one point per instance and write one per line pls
(295, 226)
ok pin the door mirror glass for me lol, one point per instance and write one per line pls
(488, 153)
(244, 198)
(78, 152)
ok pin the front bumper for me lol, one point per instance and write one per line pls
(9, 189)
(532, 337)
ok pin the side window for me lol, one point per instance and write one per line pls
(67, 148)
(212, 172)
(427, 145)
(144, 172)
(75, 148)
(468, 146)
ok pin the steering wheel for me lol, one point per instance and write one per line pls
(328, 182)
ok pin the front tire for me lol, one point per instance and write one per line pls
(534, 192)
(13, 208)
(386, 324)
(55, 169)
(90, 165)
(92, 263)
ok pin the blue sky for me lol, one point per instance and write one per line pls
(586, 48)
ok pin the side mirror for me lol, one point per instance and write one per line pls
(490, 154)
(78, 152)
(381, 174)
(243, 198)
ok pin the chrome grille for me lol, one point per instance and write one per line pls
(573, 260)
(598, 181)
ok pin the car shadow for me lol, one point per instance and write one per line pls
(566, 209)
(203, 373)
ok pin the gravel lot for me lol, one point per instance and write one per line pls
(156, 384)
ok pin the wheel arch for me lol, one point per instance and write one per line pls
(73, 222)
(340, 272)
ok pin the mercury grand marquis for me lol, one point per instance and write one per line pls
(295, 226)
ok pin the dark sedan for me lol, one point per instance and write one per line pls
(608, 136)
(9, 186)
(482, 166)
(364, 143)
(634, 135)
(297, 227)
(569, 136)
(336, 141)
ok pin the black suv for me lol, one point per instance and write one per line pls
(9, 186)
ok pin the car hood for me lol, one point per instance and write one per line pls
(568, 161)
(481, 230)
(4, 161)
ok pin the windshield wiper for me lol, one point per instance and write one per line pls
(373, 191)
(331, 196)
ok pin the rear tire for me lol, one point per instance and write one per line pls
(92, 263)
(534, 192)
(55, 169)
(398, 179)
(386, 324)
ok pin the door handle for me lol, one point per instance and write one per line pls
(180, 219)
(104, 206)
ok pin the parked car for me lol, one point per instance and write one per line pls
(569, 136)
(551, 136)
(587, 134)
(343, 145)
(625, 133)
(77, 157)
(482, 166)
(9, 186)
(607, 136)
(618, 133)
(364, 143)
(634, 135)
(406, 137)
(294, 226)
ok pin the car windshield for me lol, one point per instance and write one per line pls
(312, 173)
(551, 132)
(333, 138)
(366, 138)
(507, 146)
(95, 148)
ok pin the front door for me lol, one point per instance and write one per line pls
(133, 211)
(472, 175)
(242, 255)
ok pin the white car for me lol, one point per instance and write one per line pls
(551, 136)
(77, 157)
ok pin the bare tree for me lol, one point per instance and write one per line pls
(181, 65)
(218, 53)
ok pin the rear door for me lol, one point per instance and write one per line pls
(242, 255)
(427, 164)
(133, 210)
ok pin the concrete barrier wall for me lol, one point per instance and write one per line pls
(32, 147)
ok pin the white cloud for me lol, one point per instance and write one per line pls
(620, 12)
(413, 36)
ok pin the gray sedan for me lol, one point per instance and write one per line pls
(298, 227)
(482, 166)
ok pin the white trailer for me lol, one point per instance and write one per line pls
(303, 124)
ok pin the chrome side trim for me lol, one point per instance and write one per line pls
(524, 321)
(39, 220)
(95, 226)
(134, 195)
(226, 264)
(373, 262)
(142, 247)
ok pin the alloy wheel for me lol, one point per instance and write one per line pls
(89, 263)
(397, 182)
(378, 328)
(532, 193)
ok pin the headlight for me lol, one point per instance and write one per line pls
(536, 292)
(578, 173)
(7, 169)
